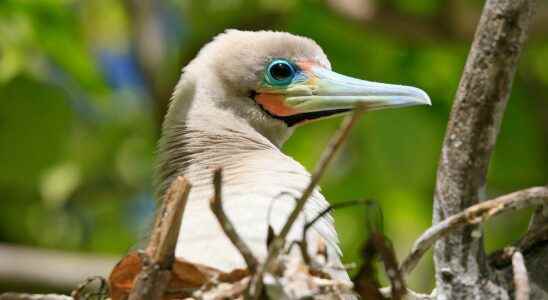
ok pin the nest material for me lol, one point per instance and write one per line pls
(293, 279)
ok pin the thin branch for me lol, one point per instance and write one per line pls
(533, 237)
(366, 282)
(81, 291)
(390, 262)
(538, 223)
(217, 207)
(303, 243)
(277, 244)
(159, 256)
(19, 264)
(18, 296)
(473, 215)
(334, 207)
(521, 281)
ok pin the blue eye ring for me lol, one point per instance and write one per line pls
(280, 72)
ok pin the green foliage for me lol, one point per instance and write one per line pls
(76, 149)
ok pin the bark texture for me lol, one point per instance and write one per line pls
(461, 267)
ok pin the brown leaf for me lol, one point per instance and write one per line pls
(185, 276)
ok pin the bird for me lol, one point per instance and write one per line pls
(234, 106)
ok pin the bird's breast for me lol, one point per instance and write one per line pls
(254, 196)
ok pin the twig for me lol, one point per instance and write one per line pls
(166, 229)
(521, 282)
(473, 215)
(277, 244)
(152, 281)
(18, 296)
(390, 262)
(333, 207)
(303, 243)
(217, 207)
(366, 283)
(80, 293)
(503, 257)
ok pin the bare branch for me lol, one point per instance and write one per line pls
(102, 290)
(366, 282)
(278, 243)
(538, 226)
(160, 254)
(470, 138)
(217, 208)
(19, 264)
(521, 282)
(473, 215)
(334, 207)
(18, 296)
(303, 243)
(388, 257)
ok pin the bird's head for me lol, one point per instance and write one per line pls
(275, 81)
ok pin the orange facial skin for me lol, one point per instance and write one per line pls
(275, 104)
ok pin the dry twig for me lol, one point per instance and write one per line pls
(473, 215)
(521, 282)
(102, 290)
(152, 281)
(255, 287)
(217, 208)
(366, 283)
(18, 296)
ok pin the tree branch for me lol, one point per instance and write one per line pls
(521, 282)
(18, 296)
(476, 214)
(474, 123)
(57, 270)
(217, 207)
(159, 256)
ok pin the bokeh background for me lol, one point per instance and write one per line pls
(84, 86)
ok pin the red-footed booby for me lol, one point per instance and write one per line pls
(235, 105)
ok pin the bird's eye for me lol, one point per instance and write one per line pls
(280, 72)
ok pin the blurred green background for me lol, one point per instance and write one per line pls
(84, 85)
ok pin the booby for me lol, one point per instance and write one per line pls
(234, 106)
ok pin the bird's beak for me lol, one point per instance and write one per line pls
(328, 90)
(319, 92)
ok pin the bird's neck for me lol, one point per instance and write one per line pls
(196, 146)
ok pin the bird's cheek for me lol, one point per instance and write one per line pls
(275, 104)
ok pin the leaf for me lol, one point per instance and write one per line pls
(185, 277)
